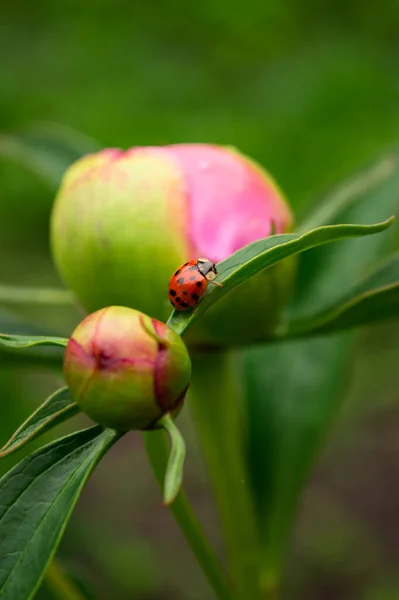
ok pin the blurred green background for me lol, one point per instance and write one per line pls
(309, 89)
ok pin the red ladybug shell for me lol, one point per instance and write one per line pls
(186, 286)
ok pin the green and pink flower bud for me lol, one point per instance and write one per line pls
(126, 370)
(123, 222)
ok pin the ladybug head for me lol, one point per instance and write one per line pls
(207, 268)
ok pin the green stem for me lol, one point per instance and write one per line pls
(30, 295)
(269, 586)
(157, 450)
(218, 411)
(60, 584)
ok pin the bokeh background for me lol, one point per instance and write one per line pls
(309, 89)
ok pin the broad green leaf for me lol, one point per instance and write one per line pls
(373, 300)
(59, 407)
(260, 255)
(36, 500)
(28, 341)
(294, 388)
(47, 149)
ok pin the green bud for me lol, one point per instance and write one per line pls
(126, 370)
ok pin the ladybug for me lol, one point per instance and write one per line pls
(189, 283)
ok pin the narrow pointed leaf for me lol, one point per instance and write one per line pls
(36, 500)
(373, 300)
(175, 466)
(260, 255)
(27, 341)
(13, 348)
(59, 407)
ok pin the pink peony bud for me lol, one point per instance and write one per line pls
(123, 222)
(126, 370)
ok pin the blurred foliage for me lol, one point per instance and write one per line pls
(311, 91)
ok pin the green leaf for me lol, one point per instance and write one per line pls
(373, 300)
(345, 195)
(28, 341)
(175, 466)
(47, 149)
(59, 407)
(36, 500)
(11, 324)
(260, 255)
(328, 272)
(294, 388)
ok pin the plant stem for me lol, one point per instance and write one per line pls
(269, 585)
(157, 450)
(30, 295)
(218, 412)
(60, 584)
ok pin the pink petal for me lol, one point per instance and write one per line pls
(231, 201)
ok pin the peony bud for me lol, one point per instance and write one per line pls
(123, 222)
(126, 370)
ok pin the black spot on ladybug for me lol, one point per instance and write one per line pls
(195, 297)
(178, 299)
(184, 305)
(185, 264)
(185, 293)
(193, 278)
(177, 272)
(199, 284)
(172, 293)
(180, 281)
(192, 269)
